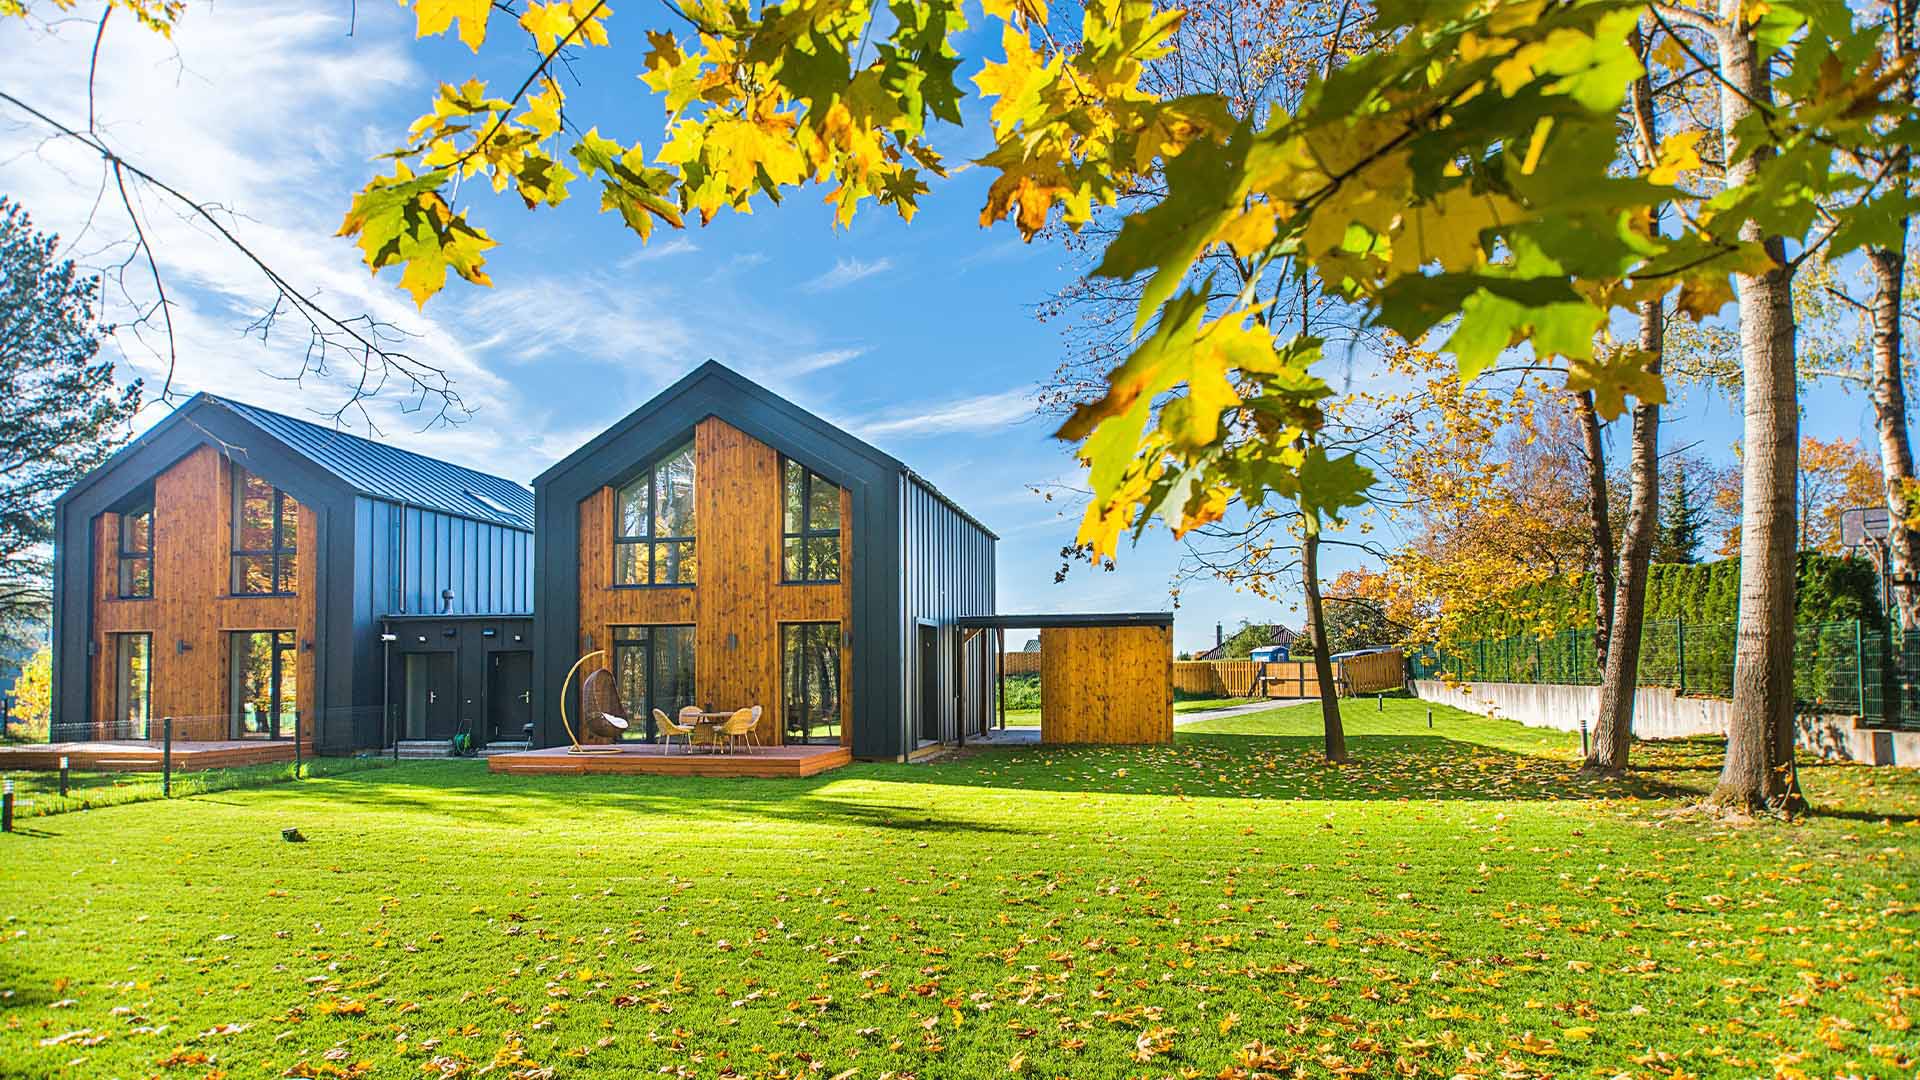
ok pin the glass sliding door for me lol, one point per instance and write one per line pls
(263, 684)
(133, 686)
(652, 669)
(810, 682)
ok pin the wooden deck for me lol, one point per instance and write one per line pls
(144, 756)
(767, 761)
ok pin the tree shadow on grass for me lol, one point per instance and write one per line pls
(1382, 767)
(539, 799)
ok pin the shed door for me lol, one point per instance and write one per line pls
(509, 694)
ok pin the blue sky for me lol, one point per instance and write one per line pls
(921, 337)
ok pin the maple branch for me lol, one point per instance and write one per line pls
(512, 103)
(324, 324)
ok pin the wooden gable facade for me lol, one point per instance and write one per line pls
(910, 563)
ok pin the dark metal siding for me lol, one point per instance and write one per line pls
(947, 566)
(415, 554)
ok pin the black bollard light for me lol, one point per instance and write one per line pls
(6, 808)
(64, 775)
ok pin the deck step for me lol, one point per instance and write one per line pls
(503, 747)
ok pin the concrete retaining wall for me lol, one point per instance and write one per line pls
(1661, 713)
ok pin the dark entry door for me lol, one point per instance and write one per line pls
(509, 695)
(431, 696)
(929, 684)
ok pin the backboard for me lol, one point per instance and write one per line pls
(1864, 525)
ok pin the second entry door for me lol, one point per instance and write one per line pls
(431, 696)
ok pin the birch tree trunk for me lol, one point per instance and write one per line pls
(1888, 267)
(1336, 734)
(1758, 773)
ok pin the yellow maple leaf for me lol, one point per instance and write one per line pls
(1679, 152)
(433, 17)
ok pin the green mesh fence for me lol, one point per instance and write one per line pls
(1839, 667)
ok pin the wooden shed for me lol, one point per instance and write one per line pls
(1104, 678)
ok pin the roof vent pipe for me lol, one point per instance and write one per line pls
(1219, 636)
(446, 601)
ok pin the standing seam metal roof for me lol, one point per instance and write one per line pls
(388, 472)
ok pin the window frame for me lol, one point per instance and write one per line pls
(790, 631)
(807, 531)
(645, 638)
(126, 558)
(122, 684)
(285, 542)
(283, 659)
(652, 542)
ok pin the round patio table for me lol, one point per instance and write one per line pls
(709, 722)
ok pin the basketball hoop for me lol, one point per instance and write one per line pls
(1865, 527)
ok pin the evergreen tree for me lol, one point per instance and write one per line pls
(1682, 521)
(60, 413)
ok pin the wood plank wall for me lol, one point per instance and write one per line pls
(738, 602)
(191, 604)
(1106, 684)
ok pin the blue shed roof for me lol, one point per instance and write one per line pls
(388, 472)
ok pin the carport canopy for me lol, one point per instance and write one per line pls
(1104, 677)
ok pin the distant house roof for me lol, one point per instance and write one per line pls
(1269, 634)
(387, 472)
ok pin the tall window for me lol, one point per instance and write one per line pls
(654, 541)
(652, 669)
(133, 685)
(810, 681)
(265, 535)
(136, 554)
(810, 526)
(265, 690)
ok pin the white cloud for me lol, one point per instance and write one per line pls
(845, 272)
(679, 245)
(982, 412)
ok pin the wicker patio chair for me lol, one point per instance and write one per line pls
(668, 729)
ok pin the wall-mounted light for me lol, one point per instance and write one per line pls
(182, 645)
(587, 639)
(422, 638)
(516, 637)
(389, 637)
(733, 641)
(307, 645)
(489, 632)
(93, 648)
(450, 632)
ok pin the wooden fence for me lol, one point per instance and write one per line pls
(1286, 678)
(1374, 672)
(1022, 663)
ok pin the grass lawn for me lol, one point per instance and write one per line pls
(1456, 902)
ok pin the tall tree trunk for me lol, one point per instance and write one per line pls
(1597, 513)
(1336, 734)
(1613, 733)
(1758, 773)
(1888, 267)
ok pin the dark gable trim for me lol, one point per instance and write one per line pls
(132, 470)
(872, 478)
